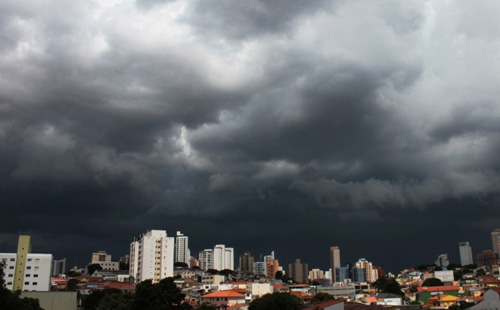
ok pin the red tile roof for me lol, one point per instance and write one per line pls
(224, 294)
(120, 286)
(489, 281)
(443, 288)
(302, 295)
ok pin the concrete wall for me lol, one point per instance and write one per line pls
(54, 300)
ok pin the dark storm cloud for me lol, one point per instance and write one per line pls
(247, 19)
(277, 117)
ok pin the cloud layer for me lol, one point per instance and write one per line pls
(172, 110)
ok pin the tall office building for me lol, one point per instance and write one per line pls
(246, 262)
(182, 253)
(206, 259)
(223, 257)
(334, 261)
(465, 253)
(152, 256)
(495, 239)
(25, 271)
(298, 272)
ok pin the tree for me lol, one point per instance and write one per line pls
(212, 271)
(164, 295)
(124, 266)
(275, 301)
(116, 301)
(227, 272)
(72, 285)
(388, 285)
(72, 274)
(93, 267)
(432, 282)
(321, 297)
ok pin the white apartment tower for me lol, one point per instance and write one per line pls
(465, 253)
(223, 257)
(182, 253)
(206, 258)
(152, 256)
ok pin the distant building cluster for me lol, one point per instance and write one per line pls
(212, 277)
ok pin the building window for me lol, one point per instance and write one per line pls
(29, 259)
(28, 275)
(12, 259)
(11, 267)
(9, 283)
(35, 276)
(10, 275)
(26, 283)
(35, 283)
(28, 267)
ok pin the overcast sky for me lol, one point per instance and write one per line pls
(264, 125)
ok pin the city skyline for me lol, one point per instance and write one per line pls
(284, 126)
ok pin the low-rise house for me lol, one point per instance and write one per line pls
(441, 301)
(489, 283)
(260, 289)
(223, 298)
(426, 292)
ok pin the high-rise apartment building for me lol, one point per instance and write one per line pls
(334, 261)
(259, 269)
(495, 240)
(152, 256)
(58, 267)
(442, 260)
(487, 258)
(298, 272)
(223, 257)
(465, 253)
(273, 266)
(371, 272)
(182, 253)
(316, 274)
(25, 271)
(246, 262)
(206, 259)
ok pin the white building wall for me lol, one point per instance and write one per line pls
(219, 256)
(261, 289)
(206, 259)
(465, 254)
(182, 253)
(37, 272)
(229, 258)
(152, 256)
(167, 257)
